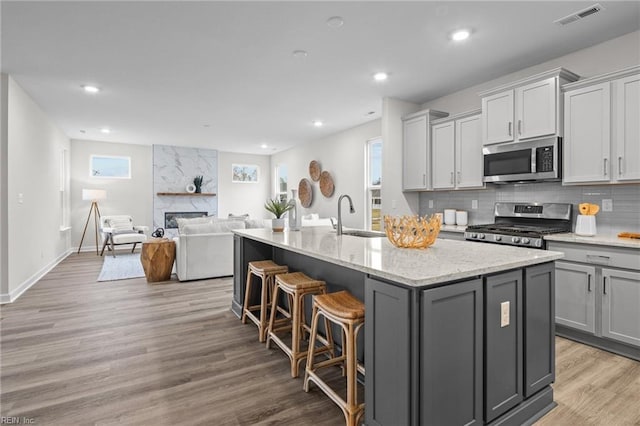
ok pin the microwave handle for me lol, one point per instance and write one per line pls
(533, 160)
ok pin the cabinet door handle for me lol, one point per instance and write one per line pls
(458, 177)
(451, 178)
(619, 166)
(519, 127)
(604, 285)
(605, 167)
(589, 283)
(509, 128)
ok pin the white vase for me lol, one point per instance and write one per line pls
(295, 218)
(277, 225)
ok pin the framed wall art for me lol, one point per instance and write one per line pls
(245, 173)
(110, 167)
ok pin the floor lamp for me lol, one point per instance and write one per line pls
(94, 195)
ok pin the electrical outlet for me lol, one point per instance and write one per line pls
(607, 205)
(20, 198)
(474, 204)
(504, 314)
(430, 204)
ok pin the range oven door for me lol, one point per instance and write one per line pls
(536, 160)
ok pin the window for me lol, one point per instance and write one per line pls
(110, 167)
(374, 184)
(281, 182)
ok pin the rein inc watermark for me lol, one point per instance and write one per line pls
(16, 420)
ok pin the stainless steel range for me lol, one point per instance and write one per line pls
(523, 224)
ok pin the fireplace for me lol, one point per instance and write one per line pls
(170, 218)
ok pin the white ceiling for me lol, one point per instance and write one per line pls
(222, 75)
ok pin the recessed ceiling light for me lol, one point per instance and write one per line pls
(318, 123)
(90, 89)
(335, 22)
(299, 53)
(105, 130)
(264, 146)
(460, 35)
(380, 76)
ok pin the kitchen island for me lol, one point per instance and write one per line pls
(459, 333)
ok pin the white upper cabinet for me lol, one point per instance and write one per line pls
(498, 117)
(602, 129)
(627, 128)
(587, 132)
(457, 152)
(525, 109)
(536, 109)
(416, 149)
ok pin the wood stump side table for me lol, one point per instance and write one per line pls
(157, 257)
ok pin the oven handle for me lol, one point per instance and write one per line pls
(533, 160)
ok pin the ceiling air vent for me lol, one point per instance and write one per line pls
(579, 14)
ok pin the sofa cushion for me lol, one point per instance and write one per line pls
(211, 228)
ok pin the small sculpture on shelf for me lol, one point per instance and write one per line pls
(197, 181)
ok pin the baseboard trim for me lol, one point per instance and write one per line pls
(12, 296)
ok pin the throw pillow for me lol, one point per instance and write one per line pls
(239, 217)
(181, 221)
(119, 224)
(254, 223)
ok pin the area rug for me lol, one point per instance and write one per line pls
(121, 267)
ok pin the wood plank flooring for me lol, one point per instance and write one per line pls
(75, 351)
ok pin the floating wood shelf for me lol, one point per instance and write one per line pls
(189, 194)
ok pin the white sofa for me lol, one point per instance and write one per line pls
(204, 247)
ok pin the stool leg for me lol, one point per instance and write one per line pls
(312, 344)
(263, 308)
(247, 296)
(352, 391)
(272, 317)
(295, 334)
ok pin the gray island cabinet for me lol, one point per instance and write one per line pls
(461, 333)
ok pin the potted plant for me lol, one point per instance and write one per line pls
(278, 208)
(197, 181)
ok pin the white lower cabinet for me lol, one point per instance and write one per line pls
(598, 293)
(621, 305)
(575, 296)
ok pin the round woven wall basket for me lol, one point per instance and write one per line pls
(326, 184)
(305, 193)
(314, 170)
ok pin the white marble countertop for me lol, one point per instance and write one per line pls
(446, 260)
(598, 239)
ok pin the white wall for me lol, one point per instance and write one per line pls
(34, 144)
(4, 226)
(241, 198)
(341, 154)
(612, 55)
(124, 196)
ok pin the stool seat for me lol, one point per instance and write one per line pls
(341, 304)
(267, 267)
(297, 281)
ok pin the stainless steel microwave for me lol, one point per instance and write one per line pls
(535, 160)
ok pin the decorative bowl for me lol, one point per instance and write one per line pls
(412, 231)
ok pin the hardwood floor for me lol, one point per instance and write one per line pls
(75, 351)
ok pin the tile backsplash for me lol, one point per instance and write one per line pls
(624, 217)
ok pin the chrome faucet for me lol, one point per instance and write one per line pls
(351, 210)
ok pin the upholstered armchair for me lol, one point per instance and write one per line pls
(119, 230)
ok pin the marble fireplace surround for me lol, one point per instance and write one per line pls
(173, 169)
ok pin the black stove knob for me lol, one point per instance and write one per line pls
(538, 243)
(481, 236)
(474, 235)
(525, 241)
(515, 240)
(497, 237)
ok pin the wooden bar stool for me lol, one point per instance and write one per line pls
(296, 285)
(266, 270)
(344, 309)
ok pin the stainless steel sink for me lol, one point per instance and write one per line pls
(363, 233)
